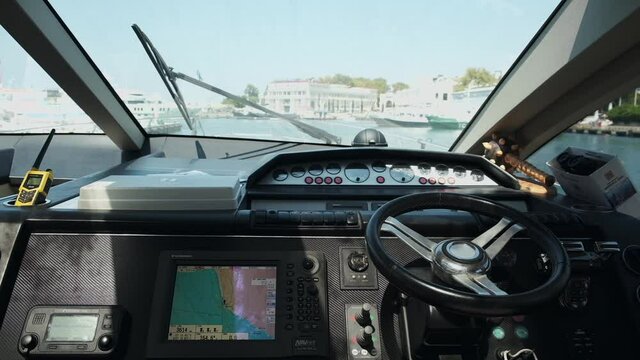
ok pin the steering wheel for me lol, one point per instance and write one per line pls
(462, 263)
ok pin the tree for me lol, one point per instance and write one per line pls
(251, 93)
(477, 77)
(399, 86)
(232, 102)
(379, 84)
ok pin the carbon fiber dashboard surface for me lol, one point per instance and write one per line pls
(118, 269)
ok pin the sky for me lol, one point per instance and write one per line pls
(235, 42)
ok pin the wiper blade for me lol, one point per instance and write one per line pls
(169, 77)
(166, 74)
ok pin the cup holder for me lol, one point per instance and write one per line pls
(12, 203)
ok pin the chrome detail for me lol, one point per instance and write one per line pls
(483, 239)
(502, 240)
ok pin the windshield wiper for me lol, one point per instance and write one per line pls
(169, 77)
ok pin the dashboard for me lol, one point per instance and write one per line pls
(296, 236)
(379, 168)
(376, 172)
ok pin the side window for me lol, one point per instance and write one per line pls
(613, 129)
(30, 101)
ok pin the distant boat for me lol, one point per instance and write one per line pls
(404, 117)
(441, 122)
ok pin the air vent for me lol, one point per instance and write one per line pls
(556, 218)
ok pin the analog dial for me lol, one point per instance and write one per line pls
(401, 173)
(356, 172)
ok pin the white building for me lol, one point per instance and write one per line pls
(309, 98)
(436, 96)
(426, 93)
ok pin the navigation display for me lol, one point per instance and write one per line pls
(223, 303)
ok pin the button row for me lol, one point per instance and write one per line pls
(323, 218)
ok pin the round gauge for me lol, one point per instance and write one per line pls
(356, 172)
(280, 174)
(477, 175)
(315, 169)
(459, 171)
(401, 173)
(442, 169)
(333, 168)
(424, 169)
(297, 171)
(379, 166)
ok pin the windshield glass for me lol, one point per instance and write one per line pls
(415, 70)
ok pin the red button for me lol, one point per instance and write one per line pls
(380, 179)
(432, 180)
(422, 180)
(328, 180)
(308, 180)
(318, 180)
(338, 180)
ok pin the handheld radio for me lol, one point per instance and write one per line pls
(36, 183)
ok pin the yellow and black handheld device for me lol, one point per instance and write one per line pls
(36, 183)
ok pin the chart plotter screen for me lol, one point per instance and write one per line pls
(223, 303)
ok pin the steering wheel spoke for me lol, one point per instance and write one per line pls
(421, 244)
(502, 240)
(480, 284)
(483, 239)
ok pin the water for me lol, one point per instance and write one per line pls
(280, 129)
(626, 148)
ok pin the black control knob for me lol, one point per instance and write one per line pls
(363, 318)
(358, 261)
(308, 264)
(105, 342)
(29, 341)
(364, 338)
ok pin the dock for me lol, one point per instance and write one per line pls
(615, 130)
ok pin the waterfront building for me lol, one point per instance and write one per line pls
(312, 99)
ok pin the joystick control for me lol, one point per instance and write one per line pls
(363, 335)
(364, 338)
(363, 317)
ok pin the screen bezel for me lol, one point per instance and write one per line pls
(217, 265)
(158, 345)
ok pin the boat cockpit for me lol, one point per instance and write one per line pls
(173, 219)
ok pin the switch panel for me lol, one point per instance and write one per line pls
(356, 270)
(363, 331)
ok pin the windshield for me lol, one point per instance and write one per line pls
(415, 70)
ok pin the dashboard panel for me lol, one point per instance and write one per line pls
(378, 173)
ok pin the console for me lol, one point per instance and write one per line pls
(239, 304)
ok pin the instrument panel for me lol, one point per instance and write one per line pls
(376, 172)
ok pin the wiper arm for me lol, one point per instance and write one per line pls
(306, 128)
(167, 75)
(169, 78)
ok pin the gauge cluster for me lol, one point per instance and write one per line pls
(368, 172)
